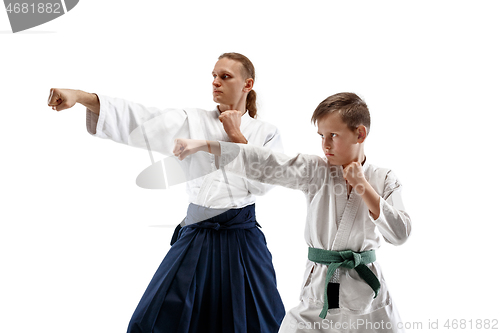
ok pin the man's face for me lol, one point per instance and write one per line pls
(228, 84)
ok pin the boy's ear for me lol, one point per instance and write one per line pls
(362, 133)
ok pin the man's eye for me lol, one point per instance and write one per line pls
(333, 134)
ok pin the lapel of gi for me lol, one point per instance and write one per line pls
(198, 131)
(347, 208)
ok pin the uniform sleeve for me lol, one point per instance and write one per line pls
(134, 124)
(393, 222)
(263, 165)
(275, 144)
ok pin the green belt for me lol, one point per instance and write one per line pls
(347, 259)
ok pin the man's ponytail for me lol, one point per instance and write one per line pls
(252, 103)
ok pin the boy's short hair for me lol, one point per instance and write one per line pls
(352, 109)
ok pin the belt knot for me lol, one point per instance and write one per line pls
(349, 260)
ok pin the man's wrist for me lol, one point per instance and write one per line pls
(89, 100)
(237, 137)
(81, 97)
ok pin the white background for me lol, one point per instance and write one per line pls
(79, 241)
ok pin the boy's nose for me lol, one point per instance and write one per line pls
(216, 82)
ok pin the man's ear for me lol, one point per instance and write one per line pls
(362, 132)
(248, 85)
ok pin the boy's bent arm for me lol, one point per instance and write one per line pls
(393, 222)
(386, 210)
(354, 175)
(372, 200)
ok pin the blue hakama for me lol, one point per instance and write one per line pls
(217, 277)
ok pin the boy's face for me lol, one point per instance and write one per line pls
(341, 145)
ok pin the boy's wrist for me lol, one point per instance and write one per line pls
(367, 188)
(201, 145)
(371, 199)
(361, 186)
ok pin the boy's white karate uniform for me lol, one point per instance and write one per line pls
(335, 221)
(126, 122)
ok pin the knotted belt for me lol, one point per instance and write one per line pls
(347, 259)
(221, 226)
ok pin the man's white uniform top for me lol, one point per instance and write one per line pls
(132, 124)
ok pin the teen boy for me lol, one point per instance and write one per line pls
(352, 205)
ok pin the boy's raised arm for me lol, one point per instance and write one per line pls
(394, 223)
(302, 172)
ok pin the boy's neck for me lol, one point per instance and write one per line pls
(361, 158)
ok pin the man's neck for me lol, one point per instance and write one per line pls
(223, 107)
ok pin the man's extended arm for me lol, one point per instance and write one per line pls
(61, 99)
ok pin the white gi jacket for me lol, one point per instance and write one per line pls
(335, 221)
(126, 122)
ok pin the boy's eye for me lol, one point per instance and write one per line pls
(331, 134)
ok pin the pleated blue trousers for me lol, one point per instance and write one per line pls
(217, 277)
